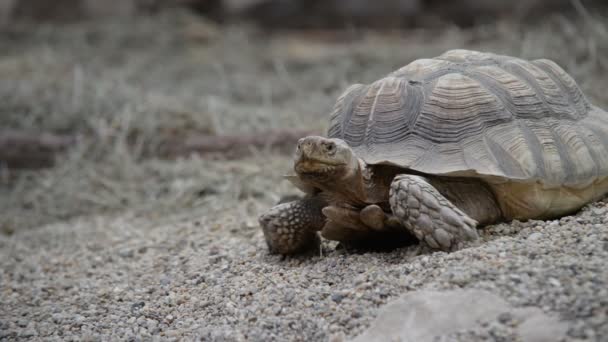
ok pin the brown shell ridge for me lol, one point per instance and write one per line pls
(471, 114)
(596, 127)
(507, 162)
(567, 85)
(354, 129)
(567, 165)
(384, 113)
(519, 69)
(586, 153)
(518, 106)
(368, 137)
(386, 122)
(494, 87)
(535, 147)
(342, 111)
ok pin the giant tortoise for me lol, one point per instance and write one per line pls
(444, 145)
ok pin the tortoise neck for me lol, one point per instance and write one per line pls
(350, 186)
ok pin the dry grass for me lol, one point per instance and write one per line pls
(125, 82)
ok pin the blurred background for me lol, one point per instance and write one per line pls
(162, 106)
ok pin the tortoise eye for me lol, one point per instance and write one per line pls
(331, 147)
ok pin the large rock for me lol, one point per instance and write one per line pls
(437, 315)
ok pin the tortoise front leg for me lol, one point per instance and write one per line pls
(292, 227)
(348, 224)
(430, 216)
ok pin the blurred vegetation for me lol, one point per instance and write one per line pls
(122, 85)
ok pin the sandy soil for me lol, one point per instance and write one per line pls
(112, 245)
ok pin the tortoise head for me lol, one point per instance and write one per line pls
(322, 158)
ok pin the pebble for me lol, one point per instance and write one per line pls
(138, 305)
(337, 297)
(535, 236)
(126, 253)
(289, 296)
(165, 280)
(29, 332)
(505, 317)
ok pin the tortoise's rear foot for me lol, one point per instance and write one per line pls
(291, 228)
(427, 214)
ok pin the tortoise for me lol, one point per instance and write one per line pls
(442, 146)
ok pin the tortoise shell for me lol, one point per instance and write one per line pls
(473, 114)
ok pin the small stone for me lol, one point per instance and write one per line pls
(334, 328)
(29, 332)
(535, 236)
(173, 333)
(137, 306)
(337, 337)
(515, 278)
(164, 280)
(505, 317)
(289, 296)
(126, 253)
(57, 318)
(337, 297)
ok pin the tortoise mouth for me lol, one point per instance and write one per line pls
(315, 166)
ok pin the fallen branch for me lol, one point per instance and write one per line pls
(233, 146)
(30, 150)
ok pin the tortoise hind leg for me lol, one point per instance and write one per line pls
(427, 214)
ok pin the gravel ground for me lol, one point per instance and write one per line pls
(110, 245)
(129, 277)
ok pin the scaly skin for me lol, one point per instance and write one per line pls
(428, 214)
(292, 227)
(347, 203)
